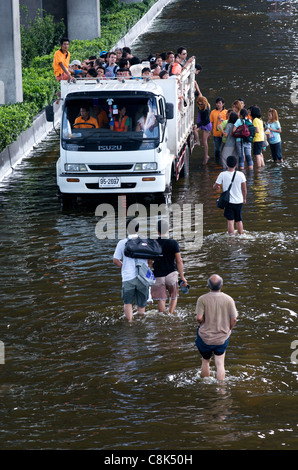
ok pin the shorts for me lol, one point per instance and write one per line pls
(164, 285)
(257, 148)
(206, 350)
(135, 291)
(233, 212)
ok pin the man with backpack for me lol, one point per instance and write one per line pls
(243, 142)
(133, 290)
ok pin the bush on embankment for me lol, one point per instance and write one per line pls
(39, 85)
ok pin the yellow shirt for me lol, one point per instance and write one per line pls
(81, 123)
(259, 136)
(58, 58)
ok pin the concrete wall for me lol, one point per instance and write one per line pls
(83, 19)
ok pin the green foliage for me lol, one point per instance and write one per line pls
(38, 37)
(15, 119)
(40, 40)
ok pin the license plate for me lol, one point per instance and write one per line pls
(109, 182)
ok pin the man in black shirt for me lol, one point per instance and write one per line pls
(166, 270)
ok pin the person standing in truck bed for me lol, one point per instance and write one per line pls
(61, 61)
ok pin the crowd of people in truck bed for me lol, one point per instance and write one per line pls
(122, 63)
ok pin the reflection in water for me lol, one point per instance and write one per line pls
(76, 375)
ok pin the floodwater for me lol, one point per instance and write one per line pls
(76, 374)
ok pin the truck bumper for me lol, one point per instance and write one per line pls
(115, 184)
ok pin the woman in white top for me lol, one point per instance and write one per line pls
(233, 213)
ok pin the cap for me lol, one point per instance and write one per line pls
(75, 62)
(184, 289)
(102, 53)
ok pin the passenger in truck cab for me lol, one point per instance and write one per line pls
(146, 123)
(122, 122)
(102, 117)
(85, 121)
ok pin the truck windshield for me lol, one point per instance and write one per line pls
(110, 123)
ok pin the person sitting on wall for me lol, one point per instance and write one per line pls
(85, 121)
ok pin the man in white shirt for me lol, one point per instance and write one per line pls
(233, 213)
(132, 288)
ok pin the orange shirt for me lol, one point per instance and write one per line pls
(58, 58)
(81, 123)
(102, 119)
(214, 120)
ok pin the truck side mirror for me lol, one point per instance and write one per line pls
(169, 111)
(50, 113)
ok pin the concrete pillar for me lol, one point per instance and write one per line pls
(83, 19)
(11, 63)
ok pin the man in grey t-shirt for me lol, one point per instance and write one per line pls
(216, 314)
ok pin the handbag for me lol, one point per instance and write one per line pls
(224, 198)
(144, 274)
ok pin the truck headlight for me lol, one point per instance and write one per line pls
(75, 167)
(145, 166)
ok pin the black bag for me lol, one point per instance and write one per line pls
(142, 248)
(224, 198)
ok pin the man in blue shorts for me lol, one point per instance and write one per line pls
(216, 314)
(233, 213)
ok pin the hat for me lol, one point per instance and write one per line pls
(136, 70)
(102, 53)
(184, 289)
(75, 62)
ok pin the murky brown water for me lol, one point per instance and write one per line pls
(76, 375)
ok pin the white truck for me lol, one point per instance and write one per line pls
(141, 161)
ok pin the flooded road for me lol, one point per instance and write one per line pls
(76, 375)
